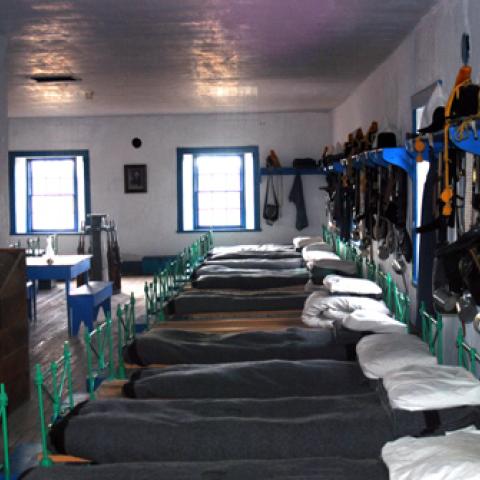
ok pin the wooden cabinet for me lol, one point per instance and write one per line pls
(14, 348)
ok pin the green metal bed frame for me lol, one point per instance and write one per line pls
(467, 356)
(103, 363)
(5, 466)
(432, 328)
(60, 394)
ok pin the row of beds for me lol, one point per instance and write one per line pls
(339, 391)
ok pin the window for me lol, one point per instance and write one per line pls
(217, 189)
(49, 191)
(419, 104)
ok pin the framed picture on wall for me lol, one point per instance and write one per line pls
(135, 178)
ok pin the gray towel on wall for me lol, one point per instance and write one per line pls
(296, 196)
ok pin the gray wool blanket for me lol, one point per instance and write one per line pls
(354, 427)
(323, 468)
(267, 251)
(200, 301)
(262, 263)
(255, 280)
(262, 379)
(171, 346)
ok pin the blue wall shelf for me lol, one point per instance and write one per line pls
(467, 141)
(398, 156)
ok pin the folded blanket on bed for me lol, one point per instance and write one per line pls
(144, 435)
(254, 251)
(263, 263)
(323, 468)
(254, 281)
(354, 427)
(199, 301)
(267, 379)
(219, 270)
(171, 346)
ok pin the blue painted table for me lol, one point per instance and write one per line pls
(64, 267)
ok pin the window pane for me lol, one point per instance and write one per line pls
(53, 213)
(219, 217)
(52, 177)
(218, 164)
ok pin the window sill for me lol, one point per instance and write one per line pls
(221, 230)
(41, 234)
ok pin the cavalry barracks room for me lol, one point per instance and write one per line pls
(239, 239)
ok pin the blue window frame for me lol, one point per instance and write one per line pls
(49, 191)
(218, 189)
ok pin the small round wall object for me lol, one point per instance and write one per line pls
(136, 142)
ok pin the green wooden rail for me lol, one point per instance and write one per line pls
(126, 322)
(467, 356)
(100, 355)
(5, 466)
(60, 395)
(432, 332)
(169, 282)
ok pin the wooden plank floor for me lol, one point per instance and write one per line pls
(49, 333)
(47, 336)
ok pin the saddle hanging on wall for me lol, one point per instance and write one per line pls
(273, 160)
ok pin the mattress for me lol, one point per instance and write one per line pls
(320, 468)
(263, 263)
(172, 346)
(205, 300)
(261, 279)
(272, 251)
(219, 430)
(261, 379)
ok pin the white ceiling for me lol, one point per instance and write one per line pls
(173, 56)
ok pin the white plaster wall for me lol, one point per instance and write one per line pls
(148, 222)
(3, 146)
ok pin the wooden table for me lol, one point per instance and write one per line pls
(64, 267)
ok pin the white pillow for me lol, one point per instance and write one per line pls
(349, 285)
(455, 456)
(368, 321)
(300, 242)
(436, 387)
(319, 307)
(311, 314)
(383, 353)
(311, 255)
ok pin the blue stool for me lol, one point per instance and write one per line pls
(84, 303)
